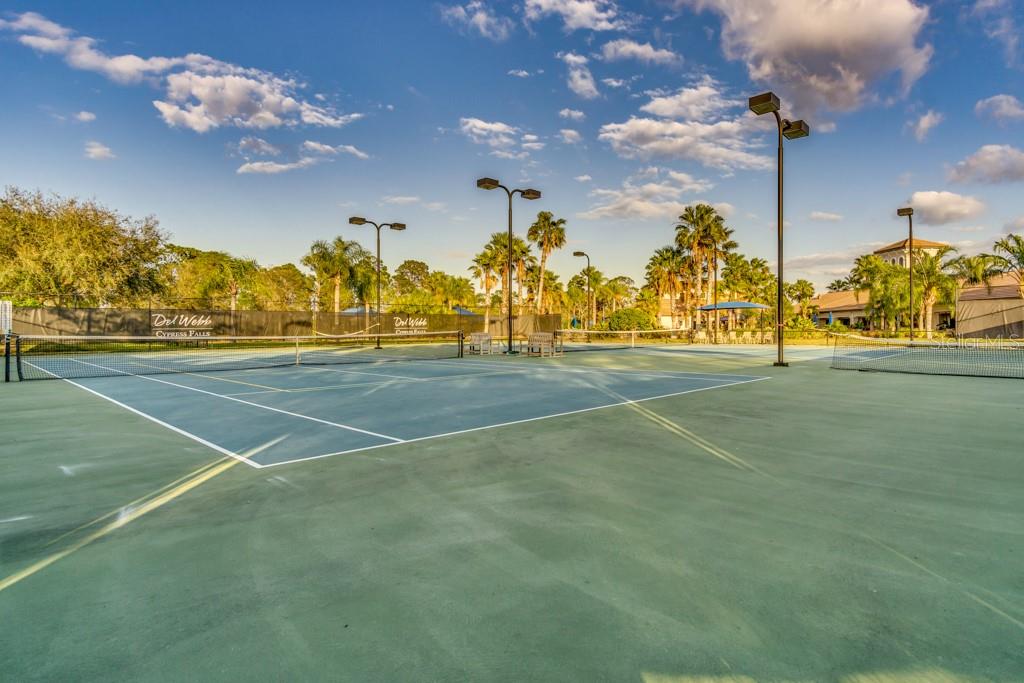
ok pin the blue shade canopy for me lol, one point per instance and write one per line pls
(459, 310)
(358, 309)
(732, 306)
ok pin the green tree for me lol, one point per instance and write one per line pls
(283, 287)
(334, 261)
(410, 276)
(484, 268)
(971, 271)
(937, 284)
(801, 292)
(663, 275)
(53, 248)
(1008, 256)
(548, 233)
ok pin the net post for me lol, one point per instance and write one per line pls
(17, 357)
(298, 358)
(7, 358)
(462, 342)
(632, 339)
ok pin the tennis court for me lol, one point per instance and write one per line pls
(658, 513)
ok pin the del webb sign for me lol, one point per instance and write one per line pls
(181, 325)
(409, 325)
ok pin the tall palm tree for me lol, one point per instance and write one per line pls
(548, 233)
(484, 266)
(719, 243)
(1009, 258)
(522, 260)
(663, 272)
(936, 282)
(334, 261)
(694, 234)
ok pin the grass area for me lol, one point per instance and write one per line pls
(819, 526)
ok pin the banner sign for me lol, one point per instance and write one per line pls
(181, 325)
(410, 324)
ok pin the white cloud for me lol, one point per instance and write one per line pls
(435, 206)
(98, 151)
(622, 49)
(400, 200)
(85, 116)
(492, 133)
(699, 103)
(721, 145)
(615, 82)
(924, 123)
(595, 15)
(825, 216)
(257, 146)
(939, 208)
(273, 167)
(1015, 225)
(506, 154)
(990, 164)
(202, 93)
(969, 228)
(572, 114)
(823, 53)
(519, 73)
(570, 136)
(825, 127)
(997, 20)
(583, 178)
(1002, 108)
(321, 148)
(580, 80)
(533, 146)
(651, 193)
(477, 17)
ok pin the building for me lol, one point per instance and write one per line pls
(898, 253)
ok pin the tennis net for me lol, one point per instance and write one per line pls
(64, 357)
(606, 340)
(966, 357)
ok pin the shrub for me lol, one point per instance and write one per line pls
(631, 319)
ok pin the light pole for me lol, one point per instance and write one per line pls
(909, 213)
(791, 130)
(492, 184)
(584, 254)
(359, 220)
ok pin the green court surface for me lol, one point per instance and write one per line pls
(661, 515)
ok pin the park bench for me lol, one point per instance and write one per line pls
(541, 344)
(480, 343)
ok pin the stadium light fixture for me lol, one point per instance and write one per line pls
(908, 211)
(359, 220)
(492, 184)
(768, 103)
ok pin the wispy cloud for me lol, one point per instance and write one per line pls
(98, 151)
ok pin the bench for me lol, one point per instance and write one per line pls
(480, 343)
(541, 343)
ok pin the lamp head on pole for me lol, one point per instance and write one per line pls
(530, 194)
(398, 226)
(765, 103)
(792, 130)
(906, 211)
(487, 184)
(357, 220)
(579, 253)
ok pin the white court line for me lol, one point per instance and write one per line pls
(515, 422)
(248, 403)
(635, 372)
(205, 375)
(177, 430)
(328, 387)
(354, 372)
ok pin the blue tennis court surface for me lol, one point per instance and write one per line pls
(284, 415)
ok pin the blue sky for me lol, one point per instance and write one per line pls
(257, 128)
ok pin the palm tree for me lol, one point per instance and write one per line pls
(971, 271)
(619, 290)
(548, 233)
(334, 261)
(935, 281)
(719, 243)
(663, 270)
(484, 265)
(801, 291)
(1009, 258)
(522, 259)
(841, 285)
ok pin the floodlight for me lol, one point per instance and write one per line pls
(357, 220)
(578, 253)
(488, 184)
(530, 194)
(908, 211)
(398, 226)
(796, 129)
(764, 103)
